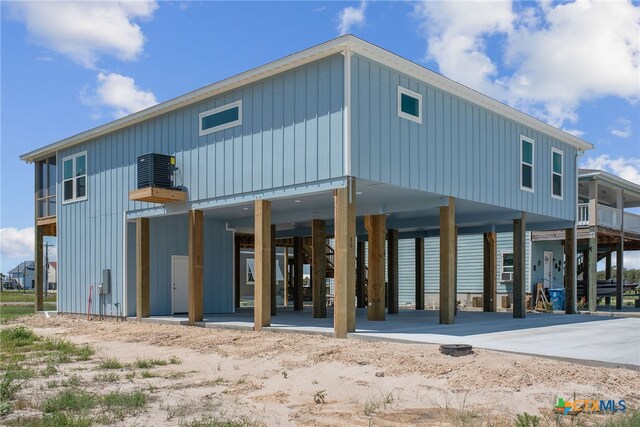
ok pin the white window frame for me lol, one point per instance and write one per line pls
(561, 174)
(532, 164)
(224, 126)
(402, 114)
(250, 264)
(74, 178)
(502, 272)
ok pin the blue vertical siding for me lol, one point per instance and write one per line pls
(291, 133)
(460, 149)
(470, 265)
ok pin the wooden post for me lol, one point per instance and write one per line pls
(344, 312)
(196, 255)
(607, 267)
(360, 274)
(319, 268)
(236, 271)
(619, 273)
(286, 276)
(40, 271)
(262, 263)
(392, 272)
(570, 270)
(375, 226)
(519, 268)
(142, 268)
(490, 267)
(592, 284)
(298, 265)
(274, 282)
(447, 262)
(419, 273)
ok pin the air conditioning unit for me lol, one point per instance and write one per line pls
(507, 277)
(155, 170)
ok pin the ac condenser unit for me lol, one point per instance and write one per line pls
(155, 170)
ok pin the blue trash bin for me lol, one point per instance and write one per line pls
(557, 298)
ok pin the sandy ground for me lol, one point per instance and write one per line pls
(295, 379)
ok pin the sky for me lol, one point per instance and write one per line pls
(68, 67)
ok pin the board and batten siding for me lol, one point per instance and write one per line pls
(470, 265)
(460, 149)
(291, 134)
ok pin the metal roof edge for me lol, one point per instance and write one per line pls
(613, 179)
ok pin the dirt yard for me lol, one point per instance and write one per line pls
(293, 379)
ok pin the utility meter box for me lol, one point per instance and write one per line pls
(106, 282)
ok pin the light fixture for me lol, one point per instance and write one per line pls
(359, 193)
(245, 209)
(296, 201)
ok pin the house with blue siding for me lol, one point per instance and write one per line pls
(342, 141)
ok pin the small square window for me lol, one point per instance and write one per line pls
(409, 105)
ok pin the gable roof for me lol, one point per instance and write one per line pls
(18, 269)
(611, 179)
(341, 44)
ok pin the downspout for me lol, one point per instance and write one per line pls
(346, 112)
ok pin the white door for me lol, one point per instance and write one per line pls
(547, 278)
(179, 284)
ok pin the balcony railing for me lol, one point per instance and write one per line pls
(632, 223)
(609, 218)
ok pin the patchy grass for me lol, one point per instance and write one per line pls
(109, 377)
(149, 363)
(175, 360)
(58, 419)
(12, 312)
(9, 295)
(147, 374)
(18, 336)
(111, 363)
(70, 400)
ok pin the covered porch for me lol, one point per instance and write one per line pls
(379, 214)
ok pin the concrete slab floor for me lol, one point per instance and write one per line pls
(582, 338)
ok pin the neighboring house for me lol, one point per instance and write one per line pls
(52, 279)
(341, 139)
(24, 273)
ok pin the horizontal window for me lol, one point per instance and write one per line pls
(409, 105)
(74, 178)
(221, 118)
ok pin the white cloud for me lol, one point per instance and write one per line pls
(120, 94)
(625, 167)
(16, 243)
(85, 30)
(622, 128)
(552, 56)
(351, 16)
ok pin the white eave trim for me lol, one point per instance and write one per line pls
(306, 56)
